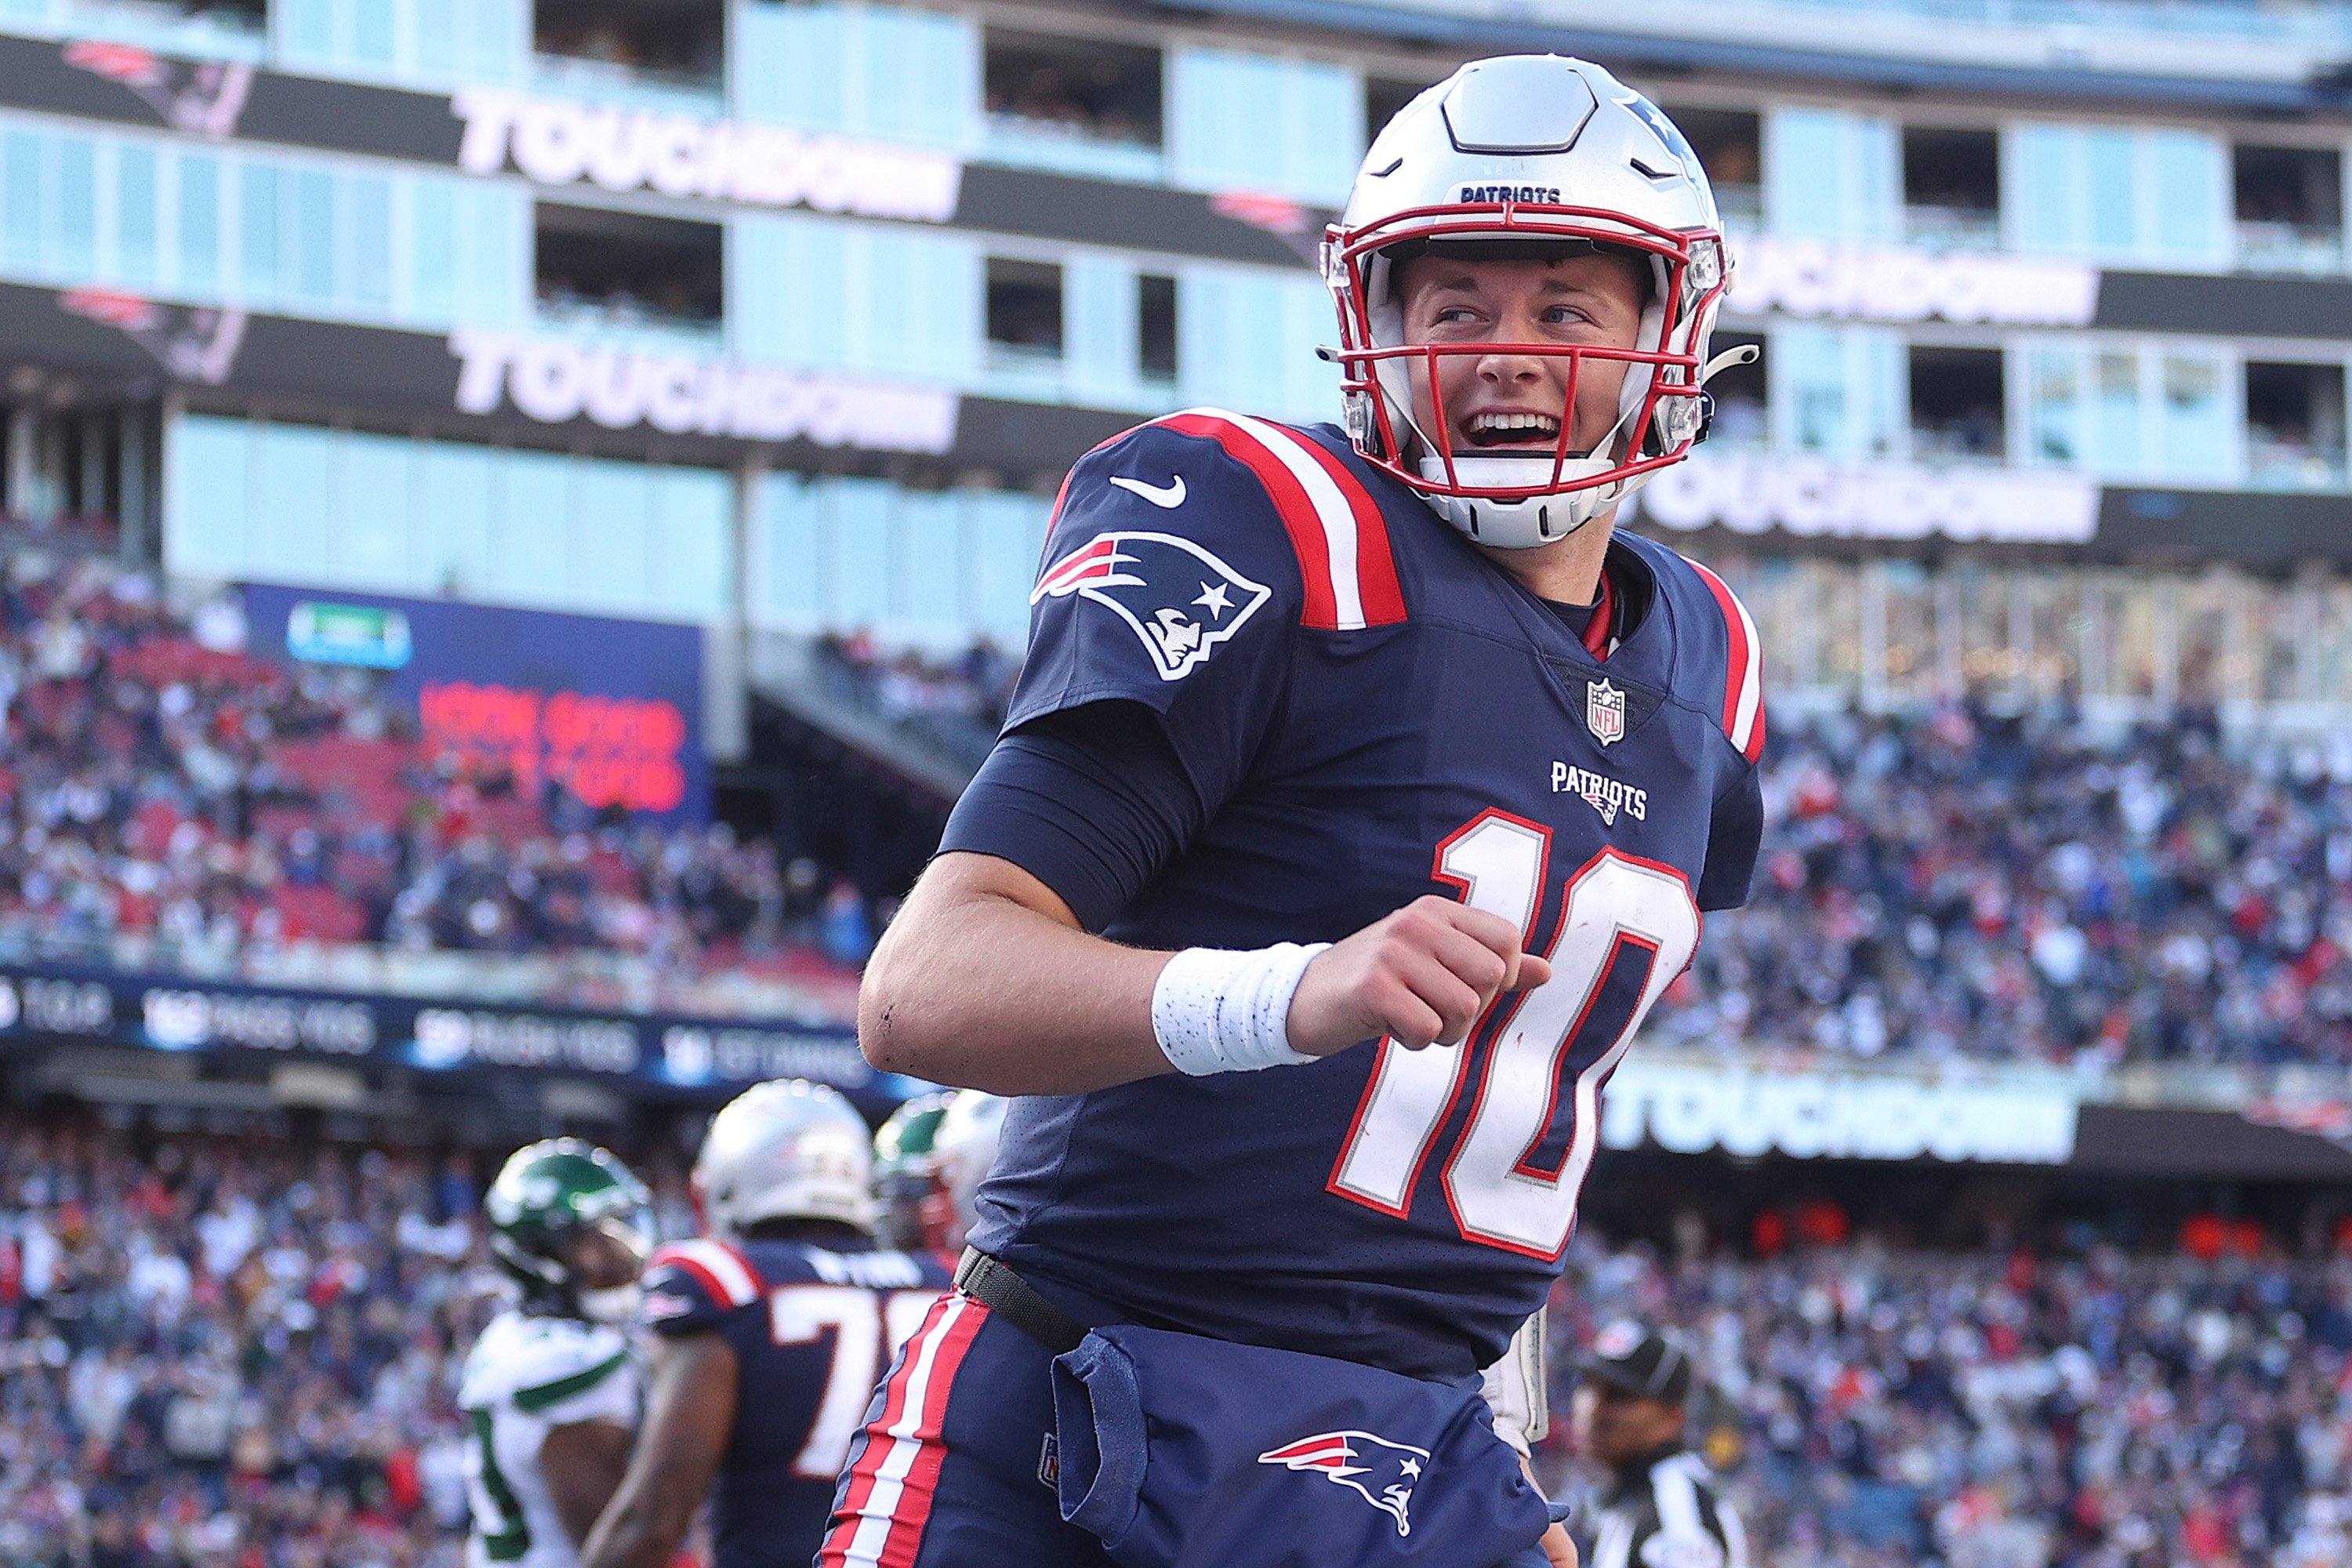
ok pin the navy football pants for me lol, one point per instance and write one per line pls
(951, 1470)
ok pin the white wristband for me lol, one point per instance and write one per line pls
(1213, 1010)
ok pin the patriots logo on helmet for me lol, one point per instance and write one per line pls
(1179, 600)
(1384, 1473)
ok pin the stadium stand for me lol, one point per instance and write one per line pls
(2010, 1407)
(169, 801)
(1958, 884)
(241, 1351)
(1951, 883)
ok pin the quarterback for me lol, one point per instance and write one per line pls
(1363, 789)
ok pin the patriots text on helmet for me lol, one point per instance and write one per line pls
(1549, 196)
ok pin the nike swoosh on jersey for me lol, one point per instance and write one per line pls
(1169, 496)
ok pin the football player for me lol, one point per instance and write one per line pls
(929, 1158)
(770, 1331)
(1363, 788)
(962, 1151)
(905, 1188)
(551, 1389)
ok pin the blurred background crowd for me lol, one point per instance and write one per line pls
(1948, 883)
(168, 800)
(2011, 1407)
(241, 1351)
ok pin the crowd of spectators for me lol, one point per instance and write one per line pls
(1951, 884)
(1941, 884)
(239, 1351)
(2008, 1409)
(954, 705)
(167, 798)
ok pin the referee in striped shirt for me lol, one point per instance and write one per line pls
(1661, 1507)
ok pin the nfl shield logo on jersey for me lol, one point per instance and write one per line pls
(1179, 599)
(1604, 712)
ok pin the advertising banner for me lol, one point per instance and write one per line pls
(173, 1012)
(611, 710)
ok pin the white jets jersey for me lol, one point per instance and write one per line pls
(527, 1376)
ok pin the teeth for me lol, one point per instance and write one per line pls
(1509, 423)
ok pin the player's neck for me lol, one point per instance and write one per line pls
(1566, 572)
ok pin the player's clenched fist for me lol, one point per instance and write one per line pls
(1422, 975)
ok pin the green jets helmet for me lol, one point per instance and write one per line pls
(903, 1164)
(547, 1194)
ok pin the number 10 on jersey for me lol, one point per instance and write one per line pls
(1626, 927)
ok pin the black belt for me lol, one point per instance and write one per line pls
(1014, 1300)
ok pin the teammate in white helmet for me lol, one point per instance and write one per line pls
(1363, 789)
(768, 1331)
(551, 1391)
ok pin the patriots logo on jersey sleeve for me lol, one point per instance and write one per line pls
(1179, 599)
(1382, 1472)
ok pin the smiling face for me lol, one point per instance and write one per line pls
(1508, 404)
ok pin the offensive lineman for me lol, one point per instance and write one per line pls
(1361, 793)
(551, 1390)
(769, 1332)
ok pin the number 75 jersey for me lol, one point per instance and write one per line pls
(813, 1329)
(1370, 709)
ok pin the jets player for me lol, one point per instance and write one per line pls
(904, 1185)
(551, 1390)
(1363, 791)
(962, 1151)
(770, 1333)
(929, 1158)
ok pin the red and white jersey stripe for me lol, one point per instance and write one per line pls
(1743, 683)
(879, 1523)
(724, 1274)
(1334, 523)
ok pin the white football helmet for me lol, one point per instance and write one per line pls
(961, 1154)
(1529, 148)
(787, 1149)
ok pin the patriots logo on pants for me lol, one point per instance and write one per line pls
(1383, 1472)
(1179, 599)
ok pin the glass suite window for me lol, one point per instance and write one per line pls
(2294, 425)
(1951, 189)
(1155, 327)
(2290, 208)
(1024, 308)
(1729, 144)
(1957, 404)
(598, 268)
(678, 43)
(1085, 88)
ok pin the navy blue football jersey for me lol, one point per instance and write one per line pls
(814, 1329)
(1372, 711)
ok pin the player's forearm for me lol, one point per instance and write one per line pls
(640, 1530)
(985, 982)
